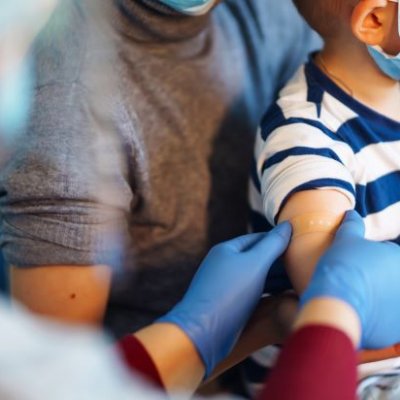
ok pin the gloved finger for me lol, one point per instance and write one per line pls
(352, 225)
(245, 242)
(274, 243)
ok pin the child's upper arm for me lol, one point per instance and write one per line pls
(305, 173)
(315, 216)
(329, 201)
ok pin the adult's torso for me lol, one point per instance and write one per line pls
(184, 97)
(191, 106)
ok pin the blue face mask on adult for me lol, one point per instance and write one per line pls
(388, 64)
(190, 7)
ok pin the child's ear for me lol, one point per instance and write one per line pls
(367, 21)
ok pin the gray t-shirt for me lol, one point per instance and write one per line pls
(140, 141)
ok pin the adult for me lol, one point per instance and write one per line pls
(348, 302)
(141, 132)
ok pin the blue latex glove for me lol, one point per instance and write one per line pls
(366, 275)
(225, 291)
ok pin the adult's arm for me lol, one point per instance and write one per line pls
(65, 195)
(189, 342)
(64, 216)
(319, 360)
(75, 294)
(164, 354)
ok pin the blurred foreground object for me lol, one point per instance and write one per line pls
(57, 362)
(20, 21)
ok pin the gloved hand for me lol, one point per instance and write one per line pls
(225, 291)
(366, 275)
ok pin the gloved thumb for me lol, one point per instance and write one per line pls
(245, 242)
(274, 243)
(352, 225)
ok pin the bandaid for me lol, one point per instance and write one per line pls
(323, 221)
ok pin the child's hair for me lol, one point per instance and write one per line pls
(325, 16)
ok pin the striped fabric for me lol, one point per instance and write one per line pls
(318, 137)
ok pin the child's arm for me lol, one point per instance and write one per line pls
(315, 216)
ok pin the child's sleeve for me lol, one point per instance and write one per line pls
(301, 156)
(306, 176)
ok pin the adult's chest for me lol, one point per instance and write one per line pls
(185, 121)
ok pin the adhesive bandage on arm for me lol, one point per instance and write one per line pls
(321, 221)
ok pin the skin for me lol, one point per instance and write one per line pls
(331, 312)
(176, 358)
(78, 294)
(373, 22)
(305, 250)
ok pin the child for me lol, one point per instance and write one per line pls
(331, 142)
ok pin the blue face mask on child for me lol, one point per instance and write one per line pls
(190, 7)
(389, 65)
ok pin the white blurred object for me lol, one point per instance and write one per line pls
(40, 360)
(28, 15)
(43, 360)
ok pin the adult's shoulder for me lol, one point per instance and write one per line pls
(71, 41)
(265, 15)
(276, 37)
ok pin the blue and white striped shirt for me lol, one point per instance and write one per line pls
(316, 136)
